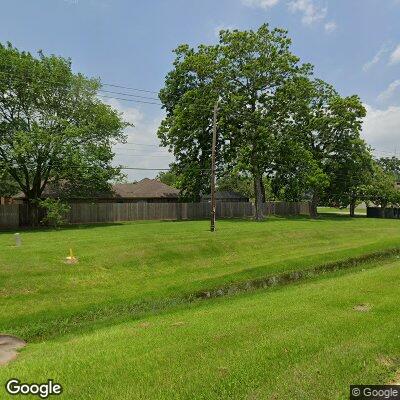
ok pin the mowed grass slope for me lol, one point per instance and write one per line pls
(300, 342)
(151, 261)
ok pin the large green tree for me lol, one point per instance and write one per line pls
(53, 128)
(243, 71)
(256, 65)
(297, 175)
(320, 135)
(381, 190)
(350, 170)
(189, 97)
(243, 183)
(274, 121)
(390, 165)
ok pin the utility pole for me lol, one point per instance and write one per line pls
(213, 153)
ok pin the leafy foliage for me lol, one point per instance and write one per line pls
(243, 72)
(8, 187)
(55, 212)
(390, 165)
(169, 178)
(53, 127)
(382, 189)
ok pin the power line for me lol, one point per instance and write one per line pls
(143, 144)
(128, 94)
(21, 79)
(141, 155)
(156, 169)
(161, 150)
(129, 88)
(146, 169)
(101, 83)
(130, 100)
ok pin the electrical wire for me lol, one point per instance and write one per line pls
(101, 83)
(129, 100)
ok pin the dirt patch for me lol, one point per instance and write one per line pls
(362, 307)
(396, 380)
(223, 372)
(144, 325)
(179, 323)
(9, 346)
(386, 361)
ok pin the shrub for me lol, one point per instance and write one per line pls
(56, 212)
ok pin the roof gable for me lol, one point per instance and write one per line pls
(146, 188)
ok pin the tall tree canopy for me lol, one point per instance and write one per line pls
(390, 165)
(243, 72)
(319, 149)
(275, 120)
(53, 127)
(188, 97)
(382, 190)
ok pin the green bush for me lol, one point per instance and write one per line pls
(55, 212)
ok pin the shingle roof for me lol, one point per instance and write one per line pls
(146, 188)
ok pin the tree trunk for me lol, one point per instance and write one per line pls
(262, 190)
(258, 197)
(352, 208)
(33, 213)
(313, 206)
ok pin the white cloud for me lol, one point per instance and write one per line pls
(142, 149)
(389, 91)
(311, 13)
(377, 57)
(309, 10)
(261, 3)
(381, 128)
(330, 26)
(395, 56)
(130, 114)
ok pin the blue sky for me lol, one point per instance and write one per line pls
(354, 44)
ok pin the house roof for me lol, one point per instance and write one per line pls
(226, 195)
(146, 188)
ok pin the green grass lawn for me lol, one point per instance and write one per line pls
(121, 266)
(301, 342)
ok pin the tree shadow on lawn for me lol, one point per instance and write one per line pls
(266, 220)
(277, 218)
(42, 229)
(334, 216)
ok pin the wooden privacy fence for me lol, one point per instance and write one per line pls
(114, 212)
(9, 216)
(14, 215)
(377, 212)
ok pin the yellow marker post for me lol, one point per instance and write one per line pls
(71, 259)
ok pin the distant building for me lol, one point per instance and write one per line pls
(146, 190)
(227, 196)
